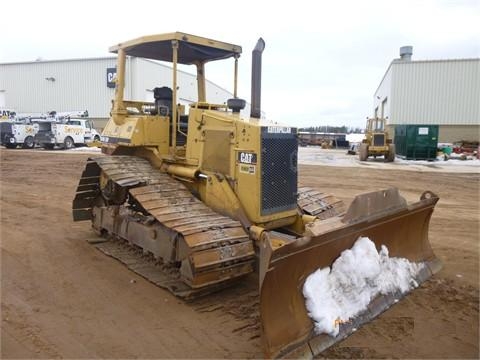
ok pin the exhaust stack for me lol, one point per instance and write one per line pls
(406, 53)
(256, 111)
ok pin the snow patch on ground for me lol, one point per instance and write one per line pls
(314, 155)
(335, 295)
(453, 161)
(87, 149)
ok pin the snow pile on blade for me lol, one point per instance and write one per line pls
(333, 296)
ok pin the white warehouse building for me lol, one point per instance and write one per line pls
(87, 84)
(431, 92)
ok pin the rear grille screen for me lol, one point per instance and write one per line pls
(279, 172)
(378, 140)
(5, 128)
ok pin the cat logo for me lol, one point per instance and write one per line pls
(111, 77)
(247, 158)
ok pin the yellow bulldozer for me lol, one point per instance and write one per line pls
(377, 141)
(212, 195)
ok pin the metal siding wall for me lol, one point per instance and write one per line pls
(149, 75)
(384, 92)
(436, 92)
(452, 133)
(217, 94)
(130, 72)
(79, 85)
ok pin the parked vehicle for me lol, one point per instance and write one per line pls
(377, 141)
(13, 134)
(71, 133)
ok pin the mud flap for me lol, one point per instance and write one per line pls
(382, 216)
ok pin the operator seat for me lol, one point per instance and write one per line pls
(163, 107)
(163, 100)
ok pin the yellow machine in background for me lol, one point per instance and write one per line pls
(377, 141)
(213, 196)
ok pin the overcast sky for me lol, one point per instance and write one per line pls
(322, 62)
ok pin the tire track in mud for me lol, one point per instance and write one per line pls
(25, 333)
(242, 301)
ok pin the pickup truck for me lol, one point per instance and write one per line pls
(73, 132)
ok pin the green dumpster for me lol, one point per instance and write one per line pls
(416, 142)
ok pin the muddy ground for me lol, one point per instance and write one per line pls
(62, 298)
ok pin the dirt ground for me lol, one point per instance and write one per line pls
(62, 298)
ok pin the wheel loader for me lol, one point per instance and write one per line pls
(377, 141)
(212, 195)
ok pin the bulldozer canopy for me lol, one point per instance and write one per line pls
(191, 49)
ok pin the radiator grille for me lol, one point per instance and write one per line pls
(279, 172)
(378, 139)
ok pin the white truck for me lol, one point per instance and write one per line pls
(73, 132)
(13, 134)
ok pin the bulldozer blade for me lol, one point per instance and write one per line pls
(386, 219)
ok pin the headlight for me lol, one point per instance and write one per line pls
(52, 141)
(12, 140)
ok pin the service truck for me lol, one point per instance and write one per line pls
(73, 132)
(15, 133)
